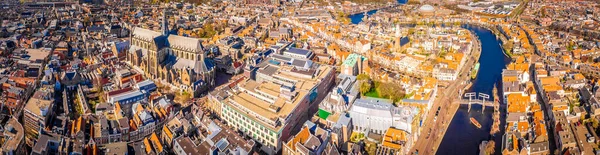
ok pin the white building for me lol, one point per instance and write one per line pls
(374, 115)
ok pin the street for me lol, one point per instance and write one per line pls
(445, 100)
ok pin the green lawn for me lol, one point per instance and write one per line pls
(372, 93)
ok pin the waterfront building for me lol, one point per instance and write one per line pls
(268, 109)
(173, 60)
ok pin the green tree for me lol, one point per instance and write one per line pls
(365, 87)
(101, 97)
(93, 105)
(361, 77)
(371, 148)
(78, 106)
(208, 31)
(390, 91)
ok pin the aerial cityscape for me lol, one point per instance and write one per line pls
(299, 77)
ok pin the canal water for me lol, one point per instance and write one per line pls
(462, 137)
(357, 18)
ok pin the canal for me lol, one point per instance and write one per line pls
(462, 137)
(357, 18)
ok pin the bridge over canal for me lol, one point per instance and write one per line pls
(477, 98)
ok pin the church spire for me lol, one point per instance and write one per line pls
(165, 23)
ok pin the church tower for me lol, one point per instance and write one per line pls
(397, 38)
(165, 23)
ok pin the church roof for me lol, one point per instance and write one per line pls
(181, 63)
(181, 42)
(145, 34)
(198, 66)
(161, 42)
(134, 48)
(169, 40)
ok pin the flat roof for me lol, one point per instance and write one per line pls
(299, 51)
(126, 95)
(279, 106)
(116, 148)
(15, 131)
(37, 54)
(36, 105)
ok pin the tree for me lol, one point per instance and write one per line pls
(365, 87)
(78, 106)
(101, 96)
(371, 148)
(207, 31)
(490, 147)
(390, 90)
(93, 105)
(183, 97)
(594, 122)
(571, 106)
(385, 90)
(361, 77)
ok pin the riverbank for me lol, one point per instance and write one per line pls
(428, 144)
(465, 137)
(454, 106)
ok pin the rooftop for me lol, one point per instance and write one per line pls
(14, 133)
(352, 59)
(268, 101)
(38, 106)
(394, 138)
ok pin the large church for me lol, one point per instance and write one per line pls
(171, 59)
